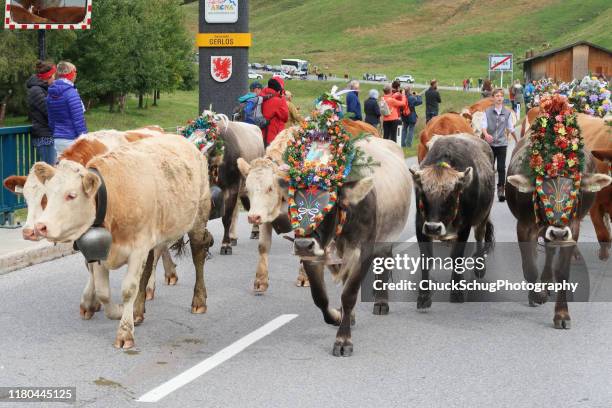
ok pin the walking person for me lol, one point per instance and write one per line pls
(413, 101)
(249, 100)
(65, 108)
(432, 101)
(37, 89)
(295, 118)
(372, 109)
(496, 122)
(395, 101)
(519, 98)
(487, 88)
(274, 108)
(352, 101)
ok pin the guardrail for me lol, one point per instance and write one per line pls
(17, 157)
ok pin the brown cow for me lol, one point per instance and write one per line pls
(445, 124)
(355, 127)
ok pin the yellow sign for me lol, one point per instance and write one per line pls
(223, 40)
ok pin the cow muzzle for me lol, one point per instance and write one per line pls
(307, 247)
(435, 230)
(254, 219)
(559, 235)
(30, 234)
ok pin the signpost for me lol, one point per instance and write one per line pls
(223, 42)
(501, 63)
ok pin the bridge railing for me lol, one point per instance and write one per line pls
(16, 157)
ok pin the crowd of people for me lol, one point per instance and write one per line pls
(55, 109)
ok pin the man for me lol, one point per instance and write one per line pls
(352, 101)
(529, 90)
(250, 102)
(519, 99)
(496, 121)
(410, 120)
(432, 101)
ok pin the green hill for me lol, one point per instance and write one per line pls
(445, 39)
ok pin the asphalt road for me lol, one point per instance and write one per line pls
(454, 355)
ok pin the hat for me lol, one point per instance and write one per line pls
(279, 80)
(255, 85)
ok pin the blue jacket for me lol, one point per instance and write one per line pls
(250, 102)
(413, 102)
(66, 111)
(353, 105)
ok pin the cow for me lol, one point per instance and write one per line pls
(356, 127)
(239, 140)
(157, 190)
(454, 189)
(555, 233)
(445, 124)
(377, 208)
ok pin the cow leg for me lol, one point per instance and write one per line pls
(139, 305)
(261, 275)
(89, 303)
(381, 297)
(457, 296)
(484, 241)
(150, 289)
(314, 271)
(527, 240)
(302, 279)
(233, 236)
(129, 292)
(169, 267)
(230, 205)
(357, 268)
(602, 231)
(112, 311)
(199, 240)
(562, 318)
(426, 250)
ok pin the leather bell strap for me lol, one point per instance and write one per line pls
(101, 200)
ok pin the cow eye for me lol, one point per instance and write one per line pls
(70, 196)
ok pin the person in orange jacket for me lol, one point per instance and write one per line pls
(395, 101)
(274, 108)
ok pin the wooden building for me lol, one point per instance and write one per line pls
(570, 62)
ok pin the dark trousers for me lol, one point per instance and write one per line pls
(430, 115)
(390, 129)
(47, 154)
(499, 156)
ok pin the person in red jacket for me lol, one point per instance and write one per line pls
(395, 102)
(274, 109)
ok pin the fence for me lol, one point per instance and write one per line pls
(16, 157)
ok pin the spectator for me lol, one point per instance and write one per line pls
(294, 114)
(414, 100)
(432, 101)
(248, 102)
(529, 91)
(274, 109)
(495, 122)
(65, 108)
(352, 101)
(519, 99)
(38, 86)
(372, 109)
(395, 101)
(479, 83)
(487, 88)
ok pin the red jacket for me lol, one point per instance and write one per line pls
(275, 110)
(395, 102)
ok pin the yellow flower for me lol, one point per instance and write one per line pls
(571, 163)
(581, 93)
(562, 130)
(574, 146)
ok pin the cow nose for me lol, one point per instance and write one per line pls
(255, 219)
(41, 229)
(559, 234)
(432, 228)
(28, 234)
(303, 245)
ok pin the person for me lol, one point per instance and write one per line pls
(487, 88)
(352, 101)
(395, 101)
(295, 118)
(519, 99)
(250, 102)
(37, 87)
(432, 101)
(529, 91)
(372, 108)
(65, 108)
(414, 100)
(479, 83)
(495, 122)
(274, 108)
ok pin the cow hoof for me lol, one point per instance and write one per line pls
(342, 348)
(424, 301)
(138, 319)
(150, 294)
(198, 309)
(457, 297)
(171, 280)
(254, 234)
(302, 281)
(226, 249)
(260, 287)
(381, 308)
(562, 322)
(233, 241)
(604, 254)
(89, 311)
(537, 298)
(124, 341)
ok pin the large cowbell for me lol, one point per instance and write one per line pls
(310, 203)
(95, 244)
(558, 191)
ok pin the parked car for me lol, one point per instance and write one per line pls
(405, 78)
(256, 65)
(281, 74)
(380, 77)
(254, 75)
(268, 67)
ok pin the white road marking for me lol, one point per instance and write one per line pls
(202, 368)
(412, 239)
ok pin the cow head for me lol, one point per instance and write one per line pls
(33, 192)
(71, 209)
(266, 188)
(557, 191)
(438, 190)
(476, 123)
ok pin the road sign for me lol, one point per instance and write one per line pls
(218, 40)
(500, 62)
(221, 11)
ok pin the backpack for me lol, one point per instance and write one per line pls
(384, 108)
(405, 111)
(258, 117)
(250, 111)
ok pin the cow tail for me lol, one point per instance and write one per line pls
(179, 246)
(489, 237)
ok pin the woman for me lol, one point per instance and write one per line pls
(395, 102)
(372, 109)
(274, 108)
(294, 114)
(38, 86)
(66, 110)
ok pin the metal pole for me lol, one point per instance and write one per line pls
(42, 45)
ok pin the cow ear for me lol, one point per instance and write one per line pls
(91, 184)
(358, 190)
(595, 182)
(416, 174)
(467, 116)
(602, 154)
(43, 171)
(466, 177)
(243, 166)
(15, 183)
(522, 183)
